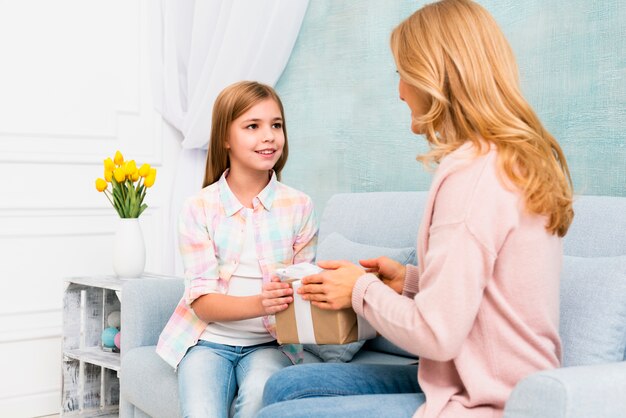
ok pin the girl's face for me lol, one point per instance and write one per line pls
(416, 101)
(256, 138)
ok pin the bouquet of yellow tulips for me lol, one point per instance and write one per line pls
(128, 185)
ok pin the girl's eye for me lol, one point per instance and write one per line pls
(252, 126)
(277, 125)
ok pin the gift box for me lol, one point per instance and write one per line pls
(304, 323)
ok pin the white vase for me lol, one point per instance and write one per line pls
(129, 249)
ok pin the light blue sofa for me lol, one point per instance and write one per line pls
(592, 382)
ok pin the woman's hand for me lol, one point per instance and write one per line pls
(389, 271)
(332, 288)
(275, 296)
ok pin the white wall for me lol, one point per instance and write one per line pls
(74, 87)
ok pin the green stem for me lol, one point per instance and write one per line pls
(106, 193)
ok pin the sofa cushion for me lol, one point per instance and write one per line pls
(593, 310)
(337, 247)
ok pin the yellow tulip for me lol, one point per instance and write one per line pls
(130, 167)
(109, 165)
(150, 178)
(108, 174)
(135, 176)
(144, 170)
(101, 185)
(119, 158)
(119, 174)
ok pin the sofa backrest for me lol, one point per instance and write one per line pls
(381, 219)
(593, 281)
(599, 227)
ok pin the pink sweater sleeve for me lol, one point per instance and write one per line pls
(437, 320)
(411, 281)
(411, 286)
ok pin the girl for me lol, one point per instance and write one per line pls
(481, 308)
(233, 235)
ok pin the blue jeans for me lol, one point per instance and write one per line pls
(346, 390)
(211, 374)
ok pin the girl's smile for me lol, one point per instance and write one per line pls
(268, 153)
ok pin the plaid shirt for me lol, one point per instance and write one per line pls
(211, 237)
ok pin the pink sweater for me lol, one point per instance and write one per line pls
(481, 309)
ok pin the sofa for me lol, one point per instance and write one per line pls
(591, 383)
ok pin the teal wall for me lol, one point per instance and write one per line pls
(348, 131)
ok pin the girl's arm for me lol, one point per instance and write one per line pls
(197, 251)
(216, 307)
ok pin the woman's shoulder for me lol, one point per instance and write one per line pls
(469, 187)
(476, 171)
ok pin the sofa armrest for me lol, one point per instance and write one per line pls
(147, 305)
(572, 392)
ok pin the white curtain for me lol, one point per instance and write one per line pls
(200, 47)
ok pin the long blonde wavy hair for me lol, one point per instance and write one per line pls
(232, 102)
(454, 53)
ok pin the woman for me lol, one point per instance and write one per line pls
(481, 307)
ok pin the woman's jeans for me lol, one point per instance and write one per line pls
(345, 390)
(211, 374)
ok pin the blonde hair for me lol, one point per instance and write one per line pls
(232, 102)
(454, 53)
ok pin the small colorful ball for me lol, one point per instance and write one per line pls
(114, 319)
(116, 340)
(108, 337)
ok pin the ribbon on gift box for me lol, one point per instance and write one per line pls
(304, 319)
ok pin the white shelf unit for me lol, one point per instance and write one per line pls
(90, 386)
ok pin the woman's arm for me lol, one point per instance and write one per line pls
(437, 320)
(391, 272)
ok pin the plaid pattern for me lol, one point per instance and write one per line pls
(211, 236)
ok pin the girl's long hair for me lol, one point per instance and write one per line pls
(454, 53)
(232, 102)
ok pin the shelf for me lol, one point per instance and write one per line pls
(95, 355)
(111, 282)
(90, 375)
(110, 412)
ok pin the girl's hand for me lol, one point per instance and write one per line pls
(275, 296)
(331, 289)
(389, 271)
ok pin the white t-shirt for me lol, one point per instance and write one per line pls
(247, 280)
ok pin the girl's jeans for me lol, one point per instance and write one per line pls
(343, 390)
(211, 374)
